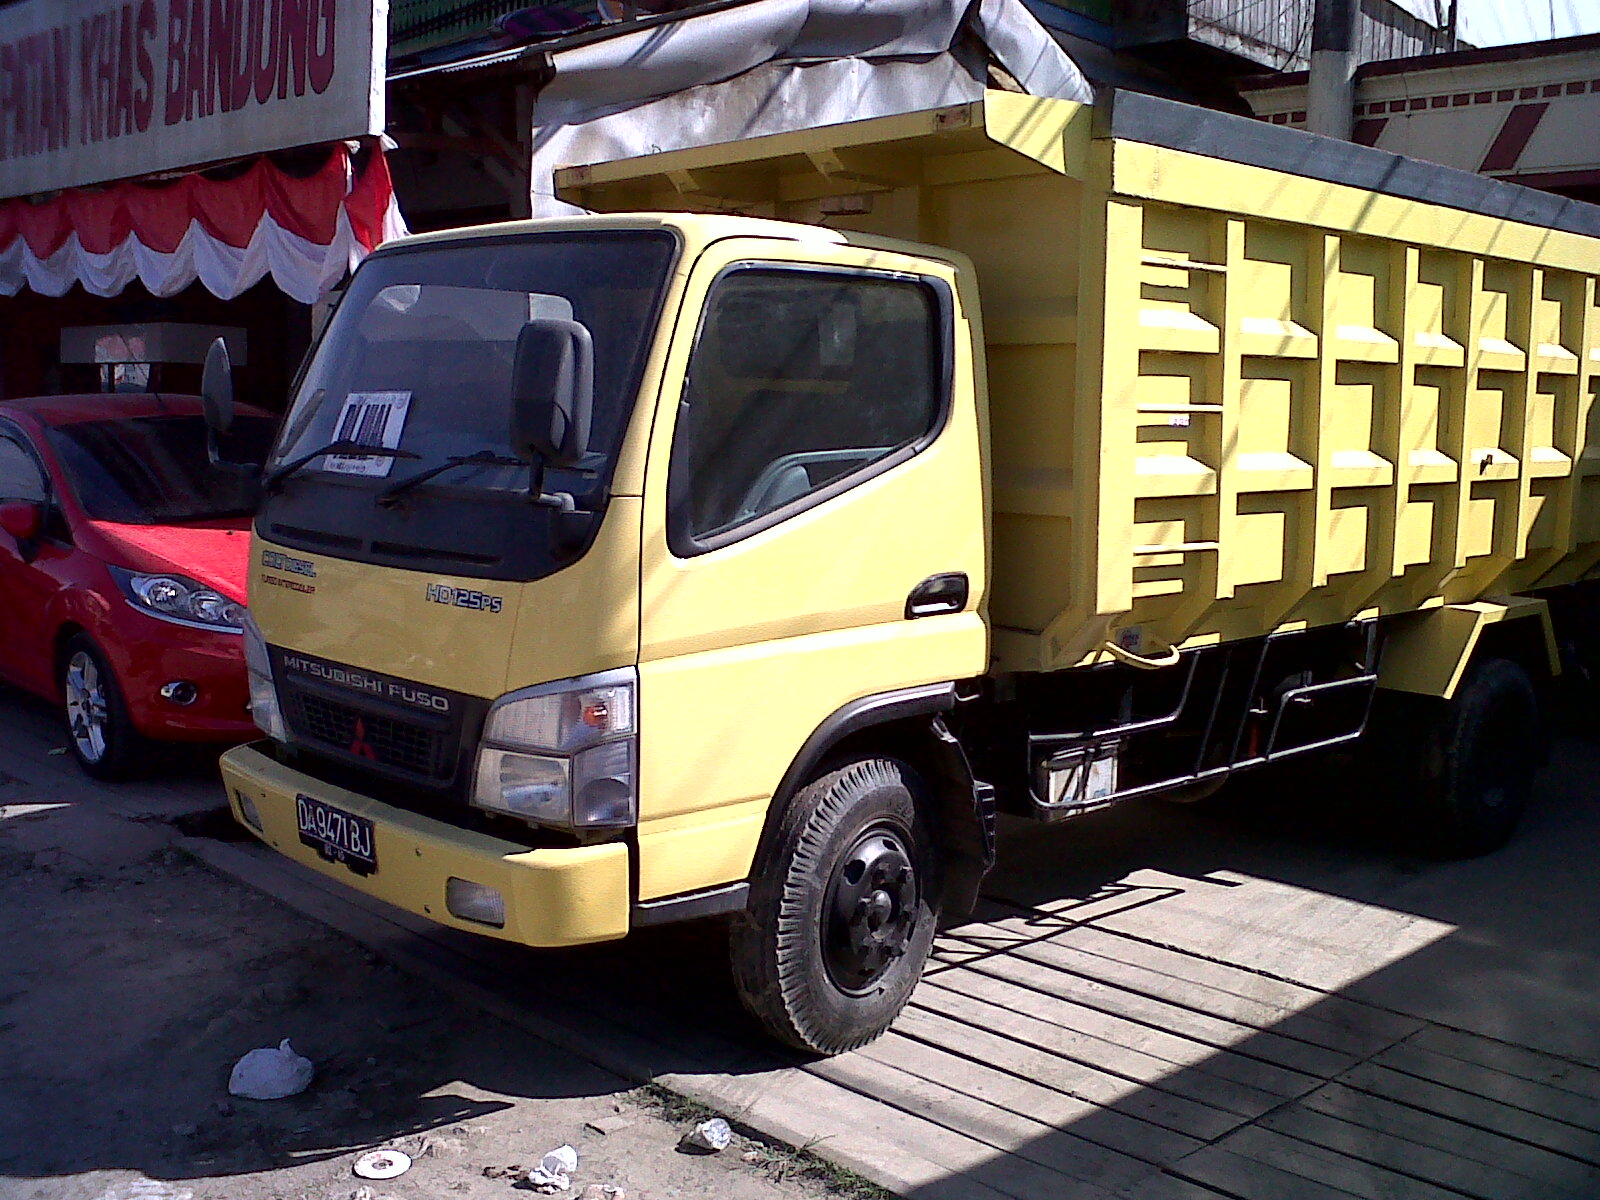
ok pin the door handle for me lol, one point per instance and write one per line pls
(937, 594)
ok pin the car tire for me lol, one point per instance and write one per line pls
(842, 913)
(100, 732)
(1479, 754)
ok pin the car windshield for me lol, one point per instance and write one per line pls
(419, 355)
(155, 471)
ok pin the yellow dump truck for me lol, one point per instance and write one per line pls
(746, 546)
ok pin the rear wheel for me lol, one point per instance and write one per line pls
(1476, 758)
(100, 732)
(841, 918)
(1202, 794)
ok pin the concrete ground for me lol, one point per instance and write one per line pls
(1273, 1002)
(133, 978)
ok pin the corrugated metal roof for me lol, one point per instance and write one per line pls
(473, 63)
(487, 59)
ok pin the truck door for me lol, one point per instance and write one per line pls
(814, 528)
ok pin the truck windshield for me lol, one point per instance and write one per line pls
(418, 358)
(419, 354)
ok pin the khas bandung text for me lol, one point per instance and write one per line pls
(125, 68)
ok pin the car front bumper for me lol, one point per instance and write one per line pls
(147, 653)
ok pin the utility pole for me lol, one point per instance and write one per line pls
(1330, 105)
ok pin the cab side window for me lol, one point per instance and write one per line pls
(801, 384)
(20, 477)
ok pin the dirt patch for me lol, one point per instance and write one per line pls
(136, 978)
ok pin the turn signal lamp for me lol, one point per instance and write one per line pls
(563, 755)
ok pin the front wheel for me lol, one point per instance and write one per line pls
(100, 732)
(842, 915)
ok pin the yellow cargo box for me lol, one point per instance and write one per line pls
(1241, 379)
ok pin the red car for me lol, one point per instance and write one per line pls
(123, 554)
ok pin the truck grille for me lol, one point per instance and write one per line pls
(389, 741)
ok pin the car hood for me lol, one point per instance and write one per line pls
(215, 553)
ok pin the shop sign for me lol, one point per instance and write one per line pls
(95, 90)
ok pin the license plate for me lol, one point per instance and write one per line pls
(338, 836)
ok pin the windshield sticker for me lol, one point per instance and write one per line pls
(371, 419)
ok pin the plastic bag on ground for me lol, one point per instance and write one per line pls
(711, 1136)
(554, 1172)
(271, 1073)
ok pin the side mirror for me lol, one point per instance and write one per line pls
(216, 388)
(22, 519)
(552, 392)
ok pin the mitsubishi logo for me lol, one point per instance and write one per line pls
(358, 744)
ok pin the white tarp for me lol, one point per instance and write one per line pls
(1495, 23)
(776, 66)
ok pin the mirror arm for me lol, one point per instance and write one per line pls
(238, 469)
(560, 501)
(213, 450)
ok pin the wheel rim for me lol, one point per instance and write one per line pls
(1500, 768)
(870, 910)
(86, 706)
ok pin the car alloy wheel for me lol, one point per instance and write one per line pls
(88, 710)
(103, 737)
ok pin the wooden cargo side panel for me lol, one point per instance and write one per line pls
(1022, 233)
(1586, 519)
(1383, 407)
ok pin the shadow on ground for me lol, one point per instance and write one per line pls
(1292, 1003)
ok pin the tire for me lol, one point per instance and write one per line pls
(1479, 755)
(842, 911)
(1201, 796)
(99, 731)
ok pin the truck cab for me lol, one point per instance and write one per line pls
(633, 524)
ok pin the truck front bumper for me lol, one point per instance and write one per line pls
(553, 897)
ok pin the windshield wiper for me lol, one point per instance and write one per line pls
(344, 447)
(485, 458)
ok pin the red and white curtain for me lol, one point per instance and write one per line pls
(307, 233)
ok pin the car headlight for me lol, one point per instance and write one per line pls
(264, 709)
(179, 599)
(565, 754)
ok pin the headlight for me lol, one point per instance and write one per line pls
(263, 695)
(564, 754)
(179, 599)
